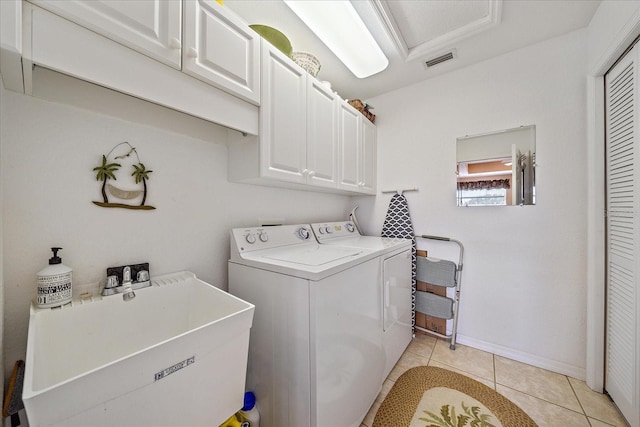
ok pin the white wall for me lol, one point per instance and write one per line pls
(611, 30)
(48, 153)
(524, 279)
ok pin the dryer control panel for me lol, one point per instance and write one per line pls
(258, 238)
(330, 230)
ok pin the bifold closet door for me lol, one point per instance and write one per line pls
(622, 353)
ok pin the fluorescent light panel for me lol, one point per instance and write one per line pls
(340, 27)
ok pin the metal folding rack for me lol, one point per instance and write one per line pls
(445, 273)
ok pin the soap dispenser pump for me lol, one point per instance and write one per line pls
(54, 283)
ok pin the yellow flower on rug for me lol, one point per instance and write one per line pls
(432, 412)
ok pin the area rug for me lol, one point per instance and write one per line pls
(427, 396)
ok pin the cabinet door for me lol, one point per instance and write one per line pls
(368, 157)
(322, 135)
(11, 44)
(221, 49)
(349, 147)
(150, 27)
(283, 126)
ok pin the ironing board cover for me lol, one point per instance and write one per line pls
(398, 224)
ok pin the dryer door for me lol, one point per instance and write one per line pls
(396, 312)
(397, 290)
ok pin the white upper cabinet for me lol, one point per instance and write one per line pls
(221, 49)
(11, 44)
(322, 135)
(357, 158)
(153, 28)
(298, 142)
(283, 126)
(350, 136)
(368, 157)
(300, 133)
(62, 45)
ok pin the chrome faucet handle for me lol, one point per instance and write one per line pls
(127, 291)
(126, 275)
(143, 276)
(111, 286)
(112, 282)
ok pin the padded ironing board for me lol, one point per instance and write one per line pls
(398, 224)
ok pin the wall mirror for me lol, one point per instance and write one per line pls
(497, 168)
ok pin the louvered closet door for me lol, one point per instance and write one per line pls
(623, 237)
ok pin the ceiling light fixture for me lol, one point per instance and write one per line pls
(339, 26)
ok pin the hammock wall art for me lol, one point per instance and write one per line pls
(131, 195)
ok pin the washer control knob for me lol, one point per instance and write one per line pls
(328, 230)
(264, 237)
(321, 230)
(303, 233)
(350, 228)
(251, 238)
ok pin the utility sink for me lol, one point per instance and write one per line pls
(176, 354)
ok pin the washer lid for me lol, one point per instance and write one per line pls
(312, 255)
(345, 234)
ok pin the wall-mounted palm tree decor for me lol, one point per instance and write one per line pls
(132, 195)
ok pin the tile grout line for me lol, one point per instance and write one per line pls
(579, 401)
(431, 352)
(575, 393)
(551, 402)
(495, 375)
(548, 401)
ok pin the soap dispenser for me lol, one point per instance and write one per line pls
(54, 283)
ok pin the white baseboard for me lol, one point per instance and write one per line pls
(530, 359)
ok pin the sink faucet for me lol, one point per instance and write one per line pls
(129, 283)
(127, 286)
(127, 290)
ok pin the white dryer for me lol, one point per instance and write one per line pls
(394, 257)
(315, 354)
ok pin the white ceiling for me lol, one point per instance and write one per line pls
(423, 29)
(423, 21)
(476, 29)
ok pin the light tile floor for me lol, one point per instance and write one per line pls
(551, 399)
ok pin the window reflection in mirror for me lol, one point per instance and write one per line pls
(497, 168)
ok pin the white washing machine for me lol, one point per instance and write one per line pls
(316, 349)
(395, 264)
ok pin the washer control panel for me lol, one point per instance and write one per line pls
(257, 238)
(303, 232)
(330, 230)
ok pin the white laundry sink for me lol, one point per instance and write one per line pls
(176, 354)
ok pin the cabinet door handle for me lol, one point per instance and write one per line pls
(311, 173)
(192, 52)
(174, 43)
